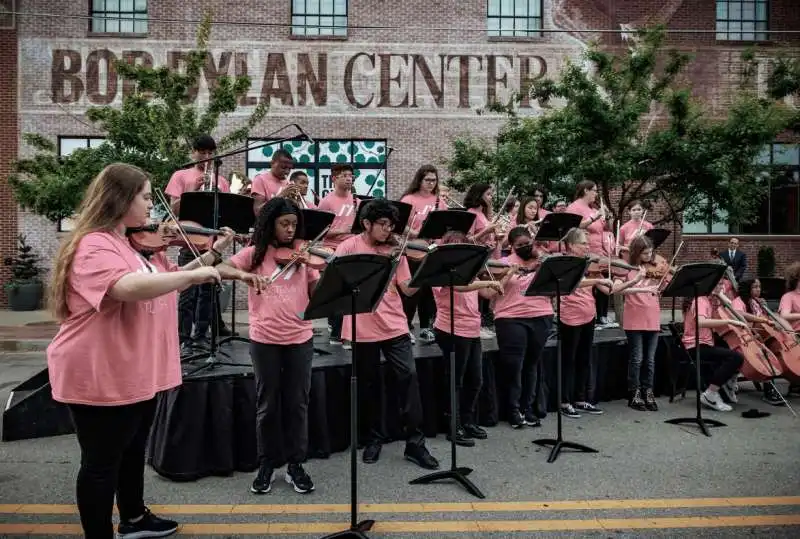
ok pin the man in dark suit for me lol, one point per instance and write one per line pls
(735, 259)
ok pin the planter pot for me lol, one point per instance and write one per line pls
(25, 296)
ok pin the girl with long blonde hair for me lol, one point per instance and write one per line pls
(117, 347)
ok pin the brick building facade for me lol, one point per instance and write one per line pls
(408, 75)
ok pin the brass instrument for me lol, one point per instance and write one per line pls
(452, 203)
(293, 193)
(240, 184)
(208, 178)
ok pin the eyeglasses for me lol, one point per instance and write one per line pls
(385, 224)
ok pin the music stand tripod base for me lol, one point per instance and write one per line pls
(557, 276)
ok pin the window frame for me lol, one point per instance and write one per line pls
(120, 16)
(529, 34)
(741, 21)
(315, 165)
(63, 224)
(306, 14)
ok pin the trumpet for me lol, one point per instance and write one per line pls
(207, 178)
(293, 193)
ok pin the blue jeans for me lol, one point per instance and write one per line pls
(642, 347)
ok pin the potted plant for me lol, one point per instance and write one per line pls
(765, 265)
(25, 288)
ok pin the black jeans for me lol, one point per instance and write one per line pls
(112, 441)
(601, 302)
(520, 343)
(642, 349)
(282, 374)
(468, 357)
(726, 360)
(576, 357)
(194, 305)
(400, 359)
(422, 301)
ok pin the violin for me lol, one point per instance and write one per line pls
(599, 267)
(316, 257)
(760, 364)
(658, 268)
(156, 237)
(498, 268)
(782, 343)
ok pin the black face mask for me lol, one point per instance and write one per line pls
(525, 252)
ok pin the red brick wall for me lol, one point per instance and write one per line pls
(9, 144)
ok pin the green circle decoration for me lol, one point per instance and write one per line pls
(380, 183)
(324, 158)
(333, 147)
(369, 180)
(377, 193)
(341, 158)
(305, 158)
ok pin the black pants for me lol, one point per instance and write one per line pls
(422, 301)
(282, 374)
(576, 357)
(520, 344)
(112, 441)
(468, 357)
(335, 322)
(727, 362)
(400, 359)
(194, 305)
(487, 314)
(601, 302)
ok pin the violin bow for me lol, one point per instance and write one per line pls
(297, 255)
(669, 266)
(163, 201)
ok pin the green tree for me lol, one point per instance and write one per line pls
(597, 128)
(153, 129)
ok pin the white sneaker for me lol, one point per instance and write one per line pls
(487, 333)
(714, 402)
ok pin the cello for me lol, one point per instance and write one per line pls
(760, 364)
(782, 343)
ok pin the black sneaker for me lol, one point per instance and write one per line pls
(531, 419)
(147, 526)
(516, 420)
(262, 484)
(461, 438)
(419, 455)
(636, 402)
(474, 431)
(567, 410)
(589, 408)
(771, 396)
(371, 454)
(299, 479)
(650, 400)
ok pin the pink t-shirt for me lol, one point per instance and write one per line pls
(608, 244)
(275, 313)
(513, 303)
(642, 310)
(578, 308)
(110, 352)
(186, 180)
(465, 311)
(267, 185)
(388, 320)
(627, 232)
(790, 302)
(344, 208)
(757, 308)
(480, 223)
(422, 206)
(689, 329)
(595, 230)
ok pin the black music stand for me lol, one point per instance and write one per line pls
(559, 275)
(440, 222)
(352, 284)
(403, 210)
(658, 236)
(693, 281)
(212, 209)
(556, 225)
(315, 221)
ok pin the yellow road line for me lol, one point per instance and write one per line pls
(488, 507)
(606, 524)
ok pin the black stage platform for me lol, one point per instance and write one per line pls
(207, 426)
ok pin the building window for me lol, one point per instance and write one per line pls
(119, 16)
(779, 211)
(312, 18)
(367, 156)
(67, 145)
(514, 18)
(742, 21)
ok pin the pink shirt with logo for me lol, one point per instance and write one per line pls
(465, 311)
(267, 185)
(275, 313)
(111, 352)
(689, 328)
(344, 208)
(422, 206)
(186, 180)
(627, 232)
(389, 320)
(480, 223)
(578, 308)
(790, 301)
(595, 230)
(643, 309)
(513, 303)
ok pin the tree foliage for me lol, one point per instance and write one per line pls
(153, 129)
(597, 126)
